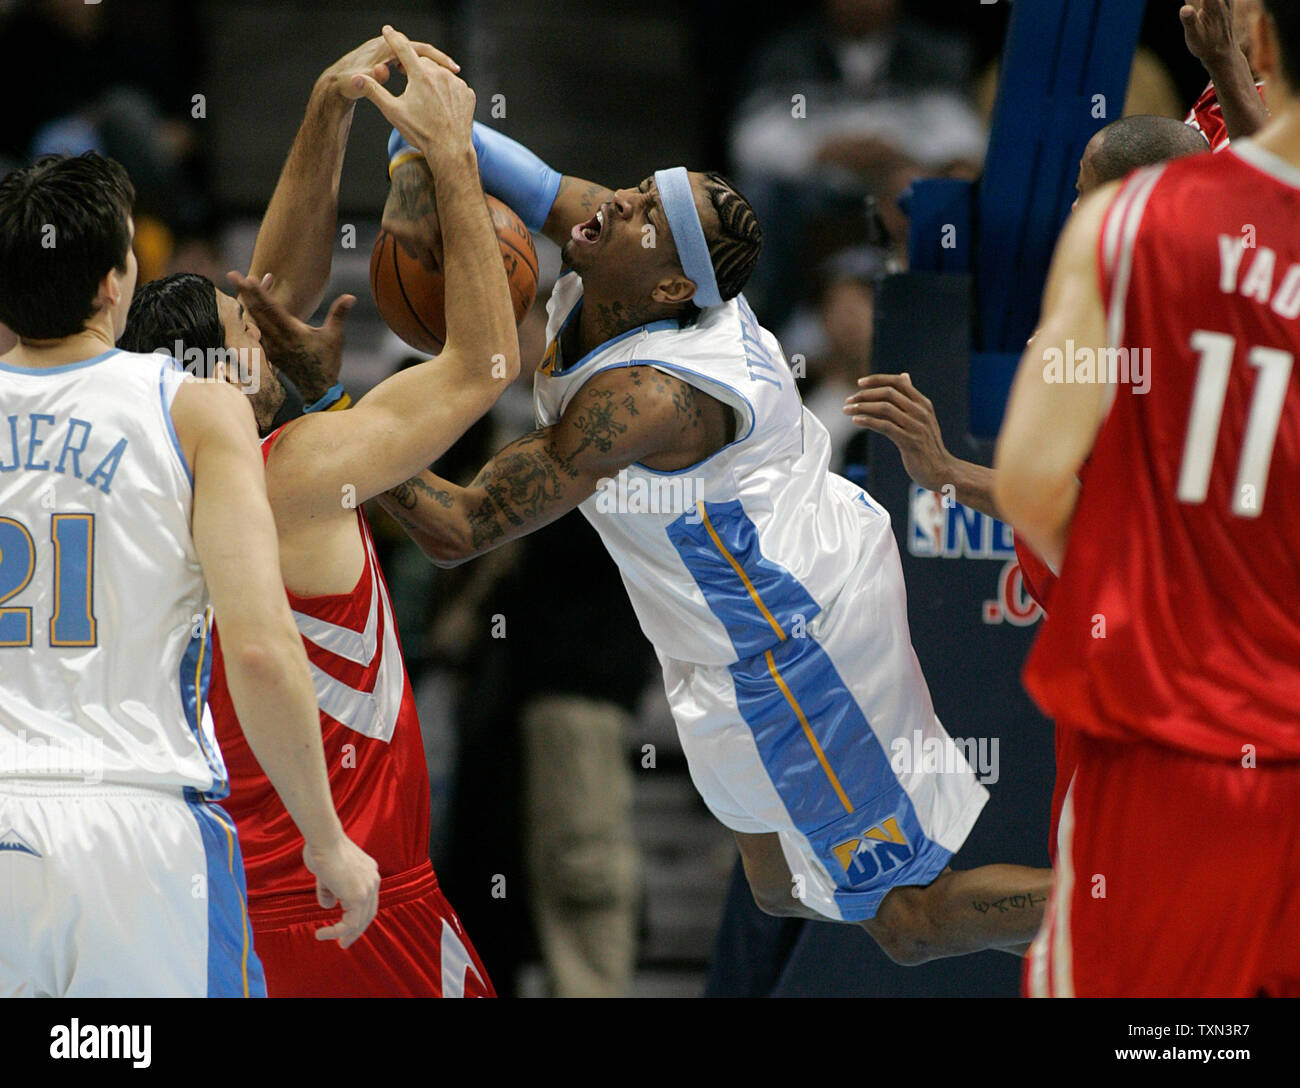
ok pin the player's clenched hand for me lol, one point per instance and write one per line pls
(348, 877)
(891, 405)
(375, 59)
(311, 355)
(436, 111)
(1207, 26)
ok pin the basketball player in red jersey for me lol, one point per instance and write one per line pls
(891, 405)
(319, 469)
(1218, 35)
(1173, 646)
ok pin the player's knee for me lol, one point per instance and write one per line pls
(775, 899)
(902, 927)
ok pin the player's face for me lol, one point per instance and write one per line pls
(1087, 175)
(626, 249)
(243, 335)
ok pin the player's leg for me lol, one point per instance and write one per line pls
(131, 901)
(1169, 877)
(993, 906)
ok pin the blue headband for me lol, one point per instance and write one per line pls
(684, 221)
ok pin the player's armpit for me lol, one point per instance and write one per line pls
(575, 203)
(1051, 423)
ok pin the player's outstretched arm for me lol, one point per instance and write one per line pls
(1208, 27)
(1050, 424)
(266, 665)
(410, 419)
(891, 405)
(296, 240)
(636, 414)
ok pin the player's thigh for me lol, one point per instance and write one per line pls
(1144, 903)
(124, 886)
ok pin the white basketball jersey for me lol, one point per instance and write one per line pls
(104, 656)
(710, 555)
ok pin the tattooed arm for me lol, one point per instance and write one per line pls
(575, 203)
(637, 414)
(411, 213)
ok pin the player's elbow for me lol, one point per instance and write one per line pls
(262, 660)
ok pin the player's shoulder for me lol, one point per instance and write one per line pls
(202, 409)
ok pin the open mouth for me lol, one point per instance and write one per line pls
(589, 233)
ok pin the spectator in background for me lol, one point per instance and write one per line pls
(857, 101)
(114, 78)
(846, 310)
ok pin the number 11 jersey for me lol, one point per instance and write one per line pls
(1177, 614)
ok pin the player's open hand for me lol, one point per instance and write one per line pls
(376, 59)
(348, 877)
(436, 111)
(1208, 28)
(891, 405)
(311, 355)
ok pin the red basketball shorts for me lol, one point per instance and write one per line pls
(415, 947)
(1176, 876)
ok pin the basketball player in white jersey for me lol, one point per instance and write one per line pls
(132, 506)
(771, 589)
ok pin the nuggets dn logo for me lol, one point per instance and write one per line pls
(877, 851)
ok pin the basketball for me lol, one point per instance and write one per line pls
(410, 297)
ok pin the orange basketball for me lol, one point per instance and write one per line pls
(410, 298)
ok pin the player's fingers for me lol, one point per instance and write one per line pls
(885, 394)
(881, 427)
(885, 412)
(325, 897)
(424, 49)
(401, 46)
(376, 93)
(329, 933)
(340, 309)
(269, 314)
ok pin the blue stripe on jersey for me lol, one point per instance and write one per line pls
(167, 417)
(759, 602)
(820, 752)
(57, 369)
(195, 675)
(233, 967)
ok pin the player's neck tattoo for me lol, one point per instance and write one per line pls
(602, 321)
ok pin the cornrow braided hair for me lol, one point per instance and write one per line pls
(734, 251)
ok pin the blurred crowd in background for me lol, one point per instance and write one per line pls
(884, 92)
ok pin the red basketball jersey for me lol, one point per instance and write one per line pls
(1206, 116)
(1177, 614)
(373, 749)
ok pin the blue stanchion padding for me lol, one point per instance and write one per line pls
(941, 212)
(1065, 72)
